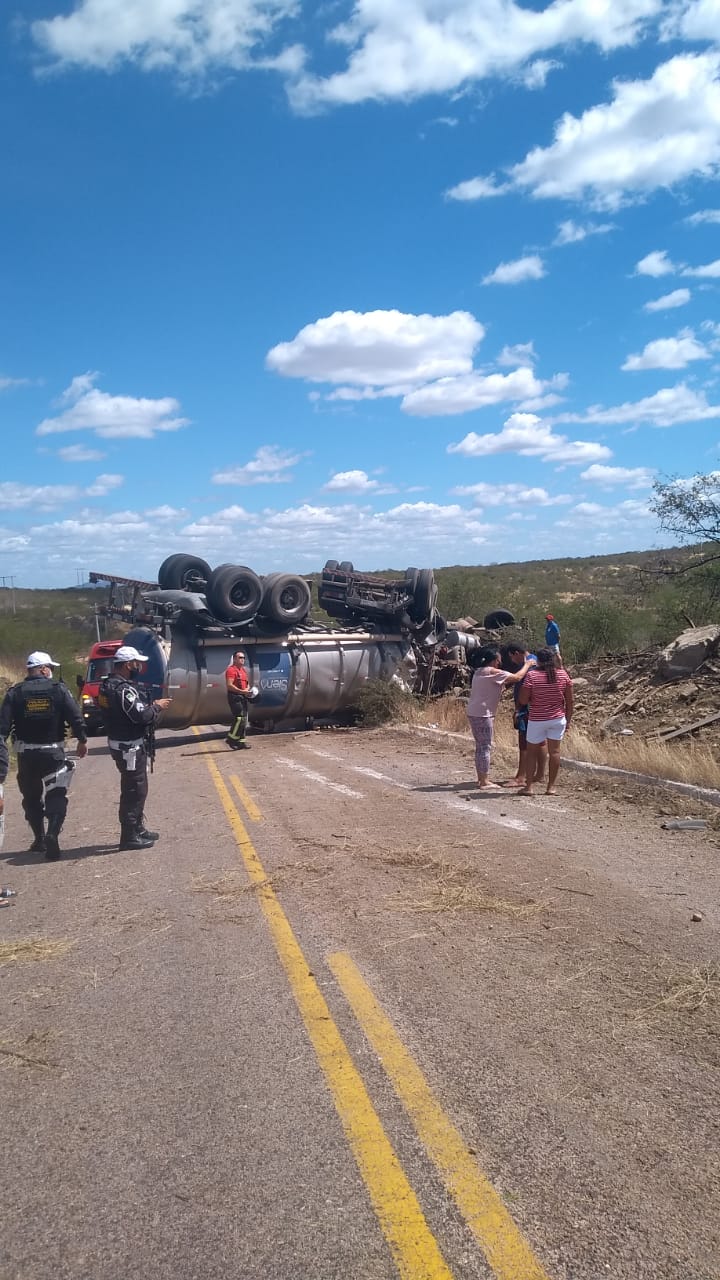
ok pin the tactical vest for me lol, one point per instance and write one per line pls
(38, 712)
(118, 725)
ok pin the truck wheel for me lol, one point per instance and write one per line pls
(498, 619)
(331, 566)
(234, 593)
(183, 573)
(346, 566)
(286, 598)
(425, 596)
(411, 577)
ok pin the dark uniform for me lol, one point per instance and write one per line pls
(36, 713)
(127, 716)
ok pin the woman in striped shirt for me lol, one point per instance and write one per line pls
(548, 692)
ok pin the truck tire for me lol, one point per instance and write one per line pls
(234, 593)
(346, 566)
(286, 598)
(424, 596)
(331, 566)
(498, 619)
(183, 573)
(411, 577)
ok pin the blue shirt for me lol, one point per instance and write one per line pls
(552, 633)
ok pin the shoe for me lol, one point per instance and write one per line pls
(232, 743)
(52, 848)
(135, 841)
(243, 745)
(144, 834)
(38, 845)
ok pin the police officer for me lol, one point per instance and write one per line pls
(128, 715)
(36, 713)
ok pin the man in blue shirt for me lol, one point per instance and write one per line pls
(552, 634)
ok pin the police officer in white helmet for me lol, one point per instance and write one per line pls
(127, 715)
(36, 712)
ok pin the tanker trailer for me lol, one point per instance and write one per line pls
(300, 674)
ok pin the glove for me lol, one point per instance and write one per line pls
(253, 692)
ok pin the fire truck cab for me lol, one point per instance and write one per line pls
(99, 664)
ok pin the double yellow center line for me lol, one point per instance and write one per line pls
(414, 1247)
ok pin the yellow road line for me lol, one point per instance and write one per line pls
(246, 800)
(414, 1248)
(504, 1246)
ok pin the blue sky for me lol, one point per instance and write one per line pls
(404, 282)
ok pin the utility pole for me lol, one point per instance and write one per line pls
(8, 582)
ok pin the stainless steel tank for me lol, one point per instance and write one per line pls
(299, 674)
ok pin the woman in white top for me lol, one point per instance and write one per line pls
(488, 683)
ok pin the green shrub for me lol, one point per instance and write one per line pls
(380, 701)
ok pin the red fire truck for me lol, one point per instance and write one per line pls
(100, 663)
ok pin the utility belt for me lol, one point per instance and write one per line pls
(39, 746)
(128, 750)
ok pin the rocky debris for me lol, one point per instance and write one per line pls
(688, 652)
(627, 692)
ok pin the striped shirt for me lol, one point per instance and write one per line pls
(547, 698)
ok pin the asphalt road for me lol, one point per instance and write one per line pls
(349, 1020)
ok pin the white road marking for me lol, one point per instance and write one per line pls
(514, 824)
(319, 777)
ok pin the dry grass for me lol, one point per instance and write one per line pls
(235, 884)
(685, 991)
(446, 886)
(681, 761)
(33, 949)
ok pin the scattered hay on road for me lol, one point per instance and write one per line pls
(456, 888)
(685, 991)
(19, 949)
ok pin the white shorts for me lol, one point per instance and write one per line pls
(539, 730)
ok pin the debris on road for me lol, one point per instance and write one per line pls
(8, 893)
(684, 824)
(696, 917)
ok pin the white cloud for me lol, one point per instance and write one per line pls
(269, 466)
(631, 511)
(653, 133)
(111, 417)
(166, 512)
(666, 408)
(522, 353)
(699, 20)
(7, 383)
(535, 74)
(570, 232)
(668, 353)
(528, 268)
(656, 263)
(79, 453)
(418, 47)
(379, 348)
(504, 495)
(710, 270)
(49, 497)
(531, 437)
(190, 37)
(478, 189)
(351, 482)
(678, 298)
(703, 215)
(612, 477)
(474, 391)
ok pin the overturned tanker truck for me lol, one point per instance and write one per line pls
(191, 621)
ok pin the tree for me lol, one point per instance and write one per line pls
(690, 510)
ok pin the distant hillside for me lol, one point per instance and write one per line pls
(602, 603)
